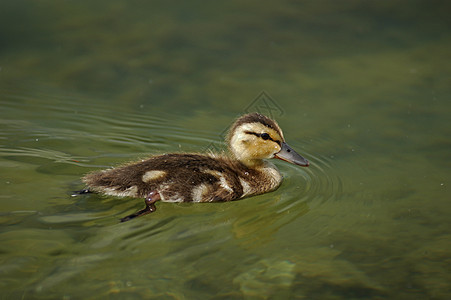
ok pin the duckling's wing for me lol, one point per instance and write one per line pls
(177, 177)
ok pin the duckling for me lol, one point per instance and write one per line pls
(191, 177)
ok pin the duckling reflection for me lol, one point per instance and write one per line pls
(191, 177)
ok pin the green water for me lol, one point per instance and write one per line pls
(360, 88)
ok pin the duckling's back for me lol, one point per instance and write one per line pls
(183, 178)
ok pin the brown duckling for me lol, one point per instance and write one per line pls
(186, 177)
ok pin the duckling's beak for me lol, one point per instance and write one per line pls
(291, 156)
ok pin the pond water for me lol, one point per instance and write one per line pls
(360, 88)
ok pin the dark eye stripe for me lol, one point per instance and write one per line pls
(264, 136)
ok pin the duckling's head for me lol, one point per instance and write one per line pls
(254, 137)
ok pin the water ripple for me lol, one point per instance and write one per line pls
(323, 181)
(92, 136)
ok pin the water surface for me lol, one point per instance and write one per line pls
(360, 88)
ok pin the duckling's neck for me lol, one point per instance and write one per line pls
(252, 163)
(269, 177)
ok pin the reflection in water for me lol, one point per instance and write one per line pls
(256, 226)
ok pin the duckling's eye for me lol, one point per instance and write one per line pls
(264, 136)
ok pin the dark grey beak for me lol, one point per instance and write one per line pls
(291, 156)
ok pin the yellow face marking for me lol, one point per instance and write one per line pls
(249, 146)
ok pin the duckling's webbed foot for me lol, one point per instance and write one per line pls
(150, 200)
(81, 192)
